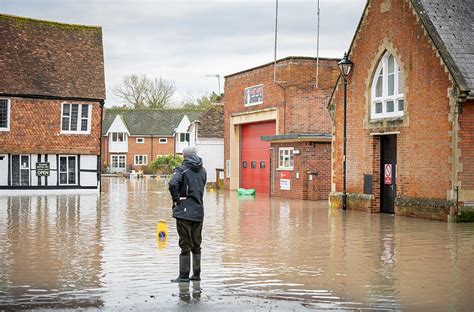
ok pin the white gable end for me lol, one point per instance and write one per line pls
(118, 126)
(183, 125)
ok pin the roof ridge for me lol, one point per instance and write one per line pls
(49, 22)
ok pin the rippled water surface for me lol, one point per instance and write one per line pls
(86, 251)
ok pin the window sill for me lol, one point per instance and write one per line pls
(285, 169)
(75, 132)
(382, 119)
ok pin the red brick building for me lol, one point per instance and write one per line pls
(52, 90)
(134, 138)
(277, 131)
(410, 111)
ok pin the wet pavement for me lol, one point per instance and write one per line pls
(91, 252)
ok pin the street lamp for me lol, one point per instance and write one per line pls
(345, 65)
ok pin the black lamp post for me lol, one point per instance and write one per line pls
(345, 65)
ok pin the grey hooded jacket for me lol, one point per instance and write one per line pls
(187, 189)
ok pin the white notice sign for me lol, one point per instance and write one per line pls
(285, 184)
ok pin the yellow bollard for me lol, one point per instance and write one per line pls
(161, 234)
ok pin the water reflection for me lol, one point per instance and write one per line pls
(86, 251)
(48, 250)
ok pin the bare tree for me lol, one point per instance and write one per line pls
(159, 93)
(141, 91)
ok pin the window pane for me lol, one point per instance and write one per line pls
(114, 161)
(187, 137)
(391, 65)
(262, 165)
(65, 125)
(253, 164)
(401, 82)
(25, 177)
(72, 170)
(74, 116)
(25, 163)
(390, 106)
(391, 84)
(120, 137)
(244, 164)
(378, 108)
(122, 162)
(378, 89)
(401, 105)
(66, 109)
(85, 111)
(63, 164)
(84, 125)
(3, 113)
(62, 178)
(15, 170)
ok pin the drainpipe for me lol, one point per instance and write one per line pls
(99, 173)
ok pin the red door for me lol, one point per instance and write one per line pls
(255, 156)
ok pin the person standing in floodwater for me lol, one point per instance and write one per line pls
(187, 189)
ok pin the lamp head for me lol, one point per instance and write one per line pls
(345, 66)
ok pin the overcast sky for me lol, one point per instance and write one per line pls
(185, 40)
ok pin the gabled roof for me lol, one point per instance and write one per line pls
(149, 122)
(49, 59)
(450, 24)
(211, 122)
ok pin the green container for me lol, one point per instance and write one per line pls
(242, 191)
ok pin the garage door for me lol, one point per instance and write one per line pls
(255, 156)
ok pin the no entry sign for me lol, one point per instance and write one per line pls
(388, 174)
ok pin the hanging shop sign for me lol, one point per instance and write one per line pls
(42, 169)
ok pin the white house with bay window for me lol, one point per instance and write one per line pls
(182, 135)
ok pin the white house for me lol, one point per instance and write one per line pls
(207, 134)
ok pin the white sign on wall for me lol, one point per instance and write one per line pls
(285, 184)
(227, 168)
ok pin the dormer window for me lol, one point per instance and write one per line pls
(387, 89)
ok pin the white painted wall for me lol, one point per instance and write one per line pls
(4, 169)
(53, 175)
(89, 178)
(212, 153)
(182, 128)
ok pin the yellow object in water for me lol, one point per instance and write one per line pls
(211, 190)
(161, 234)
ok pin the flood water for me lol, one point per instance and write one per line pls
(91, 252)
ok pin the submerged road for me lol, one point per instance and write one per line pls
(259, 253)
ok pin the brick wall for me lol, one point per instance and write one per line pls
(314, 159)
(35, 126)
(466, 144)
(151, 148)
(302, 108)
(423, 142)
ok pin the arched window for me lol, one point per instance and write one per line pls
(387, 89)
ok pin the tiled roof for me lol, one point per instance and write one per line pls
(149, 122)
(211, 122)
(450, 24)
(43, 58)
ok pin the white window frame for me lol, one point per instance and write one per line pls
(7, 128)
(117, 135)
(79, 118)
(163, 141)
(144, 160)
(67, 170)
(396, 97)
(287, 154)
(119, 156)
(186, 134)
(140, 140)
(247, 97)
(21, 168)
